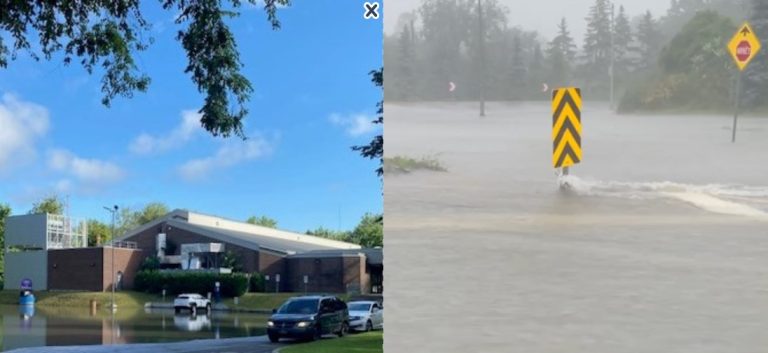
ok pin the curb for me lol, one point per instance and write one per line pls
(220, 307)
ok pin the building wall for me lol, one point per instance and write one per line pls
(338, 274)
(26, 264)
(91, 268)
(75, 269)
(27, 230)
(327, 274)
(127, 261)
(147, 241)
(271, 264)
(358, 281)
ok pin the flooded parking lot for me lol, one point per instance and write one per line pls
(45, 326)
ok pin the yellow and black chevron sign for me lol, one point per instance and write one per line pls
(566, 127)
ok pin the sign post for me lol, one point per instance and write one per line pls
(277, 283)
(743, 47)
(566, 128)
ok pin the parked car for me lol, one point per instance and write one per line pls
(308, 318)
(365, 316)
(192, 302)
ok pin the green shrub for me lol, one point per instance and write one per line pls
(257, 283)
(176, 282)
(151, 263)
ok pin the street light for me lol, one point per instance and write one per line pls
(113, 211)
(481, 44)
(612, 66)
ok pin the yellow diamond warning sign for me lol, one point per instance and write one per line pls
(744, 46)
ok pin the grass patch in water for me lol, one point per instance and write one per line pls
(402, 164)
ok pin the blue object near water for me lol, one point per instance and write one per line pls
(27, 311)
(28, 299)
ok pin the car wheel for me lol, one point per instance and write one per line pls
(176, 310)
(343, 330)
(318, 334)
(368, 326)
(274, 338)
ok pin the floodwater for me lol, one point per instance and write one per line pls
(659, 243)
(35, 327)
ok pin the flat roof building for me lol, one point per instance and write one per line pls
(286, 258)
(51, 251)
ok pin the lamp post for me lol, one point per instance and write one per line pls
(612, 66)
(113, 211)
(481, 45)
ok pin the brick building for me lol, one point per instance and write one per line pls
(287, 259)
(291, 262)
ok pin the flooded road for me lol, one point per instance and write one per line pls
(660, 243)
(37, 327)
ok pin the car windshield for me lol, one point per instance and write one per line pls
(359, 307)
(299, 306)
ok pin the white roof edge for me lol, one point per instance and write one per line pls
(224, 223)
(218, 236)
(233, 225)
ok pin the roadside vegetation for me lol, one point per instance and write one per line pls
(262, 302)
(694, 71)
(401, 164)
(371, 342)
(672, 61)
(123, 299)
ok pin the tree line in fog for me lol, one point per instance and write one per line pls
(677, 59)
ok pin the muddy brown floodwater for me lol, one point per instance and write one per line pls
(659, 245)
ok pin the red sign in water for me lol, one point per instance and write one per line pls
(743, 51)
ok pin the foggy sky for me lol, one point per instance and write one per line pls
(539, 15)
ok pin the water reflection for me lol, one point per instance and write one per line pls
(31, 327)
(191, 323)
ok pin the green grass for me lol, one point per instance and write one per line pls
(264, 301)
(130, 299)
(123, 299)
(258, 301)
(401, 164)
(371, 342)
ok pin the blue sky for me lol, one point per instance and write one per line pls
(313, 99)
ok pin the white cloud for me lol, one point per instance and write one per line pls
(21, 123)
(63, 186)
(185, 131)
(228, 155)
(354, 125)
(87, 170)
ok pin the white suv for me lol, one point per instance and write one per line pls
(191, 302)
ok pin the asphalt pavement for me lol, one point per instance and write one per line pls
(258, 344)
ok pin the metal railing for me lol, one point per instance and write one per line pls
(122, 244)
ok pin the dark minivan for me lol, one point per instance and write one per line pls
(308, 318)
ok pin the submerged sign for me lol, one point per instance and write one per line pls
(566, 127)
(744, 46)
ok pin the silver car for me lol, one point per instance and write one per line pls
(365, 315)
